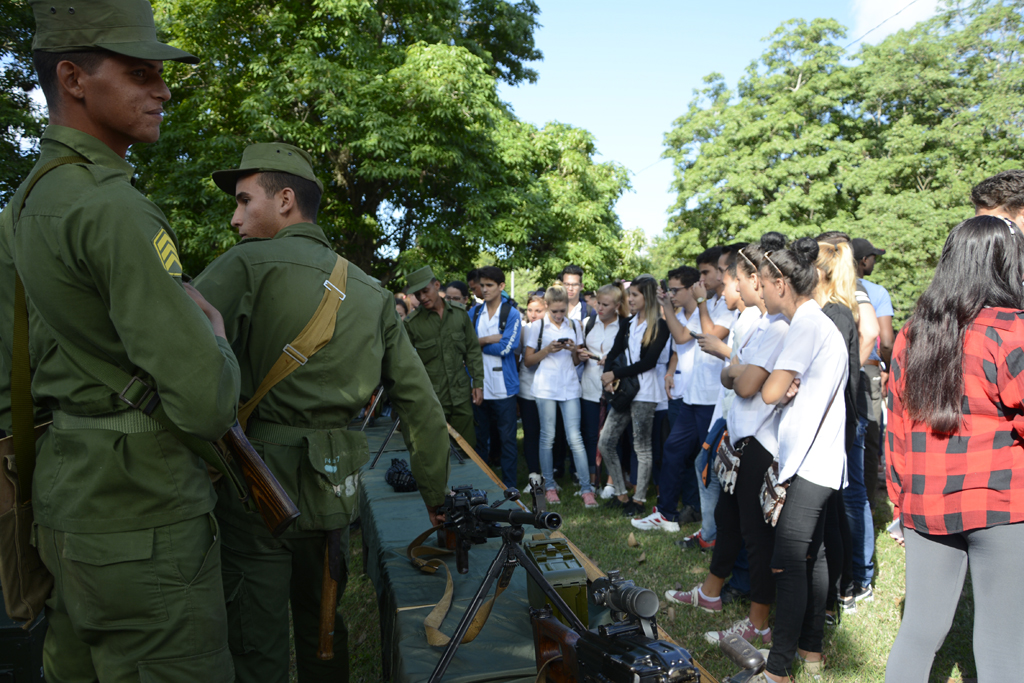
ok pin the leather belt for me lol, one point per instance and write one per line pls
(876, 363)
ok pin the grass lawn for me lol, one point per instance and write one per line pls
(855, 651)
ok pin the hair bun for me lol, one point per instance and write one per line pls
(806, 249)
(773, 241)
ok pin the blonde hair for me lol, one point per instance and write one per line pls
(618, 294)
(556, 294)
(838, 283)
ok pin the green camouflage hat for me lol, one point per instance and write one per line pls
(122, 26)
(418, 279)
(268, 156)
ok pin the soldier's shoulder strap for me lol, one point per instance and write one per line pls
(313, 337)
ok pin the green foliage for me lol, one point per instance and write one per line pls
(886, 147)
(397, 102)
(19, 120)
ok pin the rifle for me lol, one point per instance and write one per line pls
(272, 501)
(329, 597)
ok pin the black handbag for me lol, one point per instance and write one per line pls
(623, 390)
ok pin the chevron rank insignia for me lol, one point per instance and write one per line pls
(168, 253)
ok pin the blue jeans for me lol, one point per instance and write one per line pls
(531, 433)
(590, 429)
(858, 510)
(502, 413)
(547, 409)
(708, 497)
(681, 449)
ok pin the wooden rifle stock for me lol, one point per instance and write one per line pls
(276, 508)
(329, 595)
(555, 645)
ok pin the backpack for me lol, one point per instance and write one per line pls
(506, 306)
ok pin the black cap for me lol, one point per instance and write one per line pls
(862, 249)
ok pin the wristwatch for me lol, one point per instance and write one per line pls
(700, 300)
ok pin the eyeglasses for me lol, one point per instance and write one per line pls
(747, 259)
(673, 290)
(768, 257)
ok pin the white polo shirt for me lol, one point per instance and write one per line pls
(706, 377)
(752, 416)
(599, 342)
(494, 379)
(555, 377)
(814, 349)
(685, 354)
(526, 372)
(742, 333)
(660, 368)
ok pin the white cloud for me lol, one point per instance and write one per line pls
(867, 14)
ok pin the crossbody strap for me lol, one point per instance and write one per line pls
(22, 409)
(313, 337)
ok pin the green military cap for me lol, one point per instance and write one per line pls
(418, 279)
(268, 156)
(122, 26)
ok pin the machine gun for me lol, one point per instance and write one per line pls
(626, 650)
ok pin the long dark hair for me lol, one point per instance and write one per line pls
(648, 288)
(796, 263)
(982, 264)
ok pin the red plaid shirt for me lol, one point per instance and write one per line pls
(945, 484)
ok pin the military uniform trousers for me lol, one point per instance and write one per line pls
(461, 418)
(136, 606)
(261, 576)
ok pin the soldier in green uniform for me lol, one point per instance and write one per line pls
(123, 511)
(445, 339)
(268, 288)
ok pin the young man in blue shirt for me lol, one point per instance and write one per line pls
(498, 326)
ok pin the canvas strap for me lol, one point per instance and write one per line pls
(22, 410)
(313, 337)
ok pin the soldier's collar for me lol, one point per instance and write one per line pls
(89, 147)
(309, 230)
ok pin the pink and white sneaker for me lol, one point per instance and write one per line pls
(744, 629)
(655, 520)
(694, 598)
(551, 496)
(589, 500)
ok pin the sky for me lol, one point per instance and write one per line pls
(626, 71)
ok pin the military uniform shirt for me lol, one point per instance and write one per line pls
(267, 290)
(100, 265)
(448, 347)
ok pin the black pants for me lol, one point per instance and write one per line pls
(739, 520)
(802, 583)
(531, 433)
(838, 550)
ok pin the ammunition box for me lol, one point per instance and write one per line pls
(21, 650)
(560, 567)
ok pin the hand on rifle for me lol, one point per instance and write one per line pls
(435, 515)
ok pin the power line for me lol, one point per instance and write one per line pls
(880, 25)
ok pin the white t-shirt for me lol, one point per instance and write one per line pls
(652, 389)
(814, 349)
(494, 379)
(555, 377)
(574, 312)
(706, 379)
(526, 373)
(599, 342)
(685, 354)
(659, 375)
(742, 333)
(751, 416)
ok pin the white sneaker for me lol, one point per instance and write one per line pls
(655, 520)
(607, 492)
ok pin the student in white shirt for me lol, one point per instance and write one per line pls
(810, 373)
(699, 397)
(535, 308)
(752, 433)
(611, 310)
(552, 346)
(684, 307)
(641, 339)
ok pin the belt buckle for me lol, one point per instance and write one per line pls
(294, 354)
(145, 395)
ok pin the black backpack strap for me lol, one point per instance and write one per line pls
(506, 306)
(540, 336)
(590, 325)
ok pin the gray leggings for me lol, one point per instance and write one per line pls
(936, 568)
(642, 414)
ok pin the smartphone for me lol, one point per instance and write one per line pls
(696, 335)
(664, 286)
(564, 340)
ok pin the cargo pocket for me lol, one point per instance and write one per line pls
(239, 610)
(330, 478)
(113, 578)
(212, 667)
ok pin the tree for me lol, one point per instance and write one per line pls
(886, 147)
(20, 122)
(397, 102)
